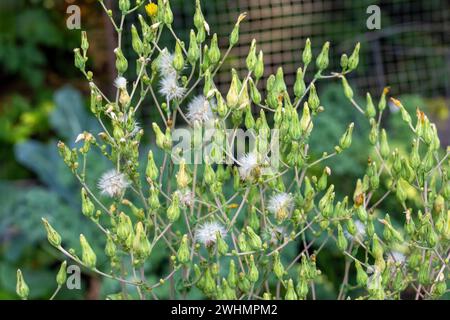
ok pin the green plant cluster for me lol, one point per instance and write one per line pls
(231, 230)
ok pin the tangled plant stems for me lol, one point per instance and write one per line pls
(233, 247)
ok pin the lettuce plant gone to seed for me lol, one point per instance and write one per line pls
(226, 216)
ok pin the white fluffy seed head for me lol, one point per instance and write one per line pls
(360, 232)
(374, 281)
(396, 257)
(120, 83)
(136, 129)
(278, 235)
(280, 201)
(186, 197)
(113, 183)
(200, 109)
(248, 163)
(206, 234)
(165, 66)
(170, 89)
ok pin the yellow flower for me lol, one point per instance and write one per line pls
(151, 9)
(396, 102)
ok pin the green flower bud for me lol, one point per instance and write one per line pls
(183, 250)
(253, 273)
(87, 207)
(322, 60)
(234, 36)
(302, 289)
(124, 6)
(254, 93)
(377, 248)
(153, 200)
(214, 51)
(294, 126)
(382, 102)
(253, 239)
(384, 146)
(124, 227)
(232, 275)
(151, 171)
(370, 107)
(121, 61)
(136, 41)
(266, 296)
(209, 174)
(251, 57)
(110, 248)
(361, 275)
(178, 59)
(423, 275)
(84, 42)
(222, 246)
(80, 62)
(346, 140)
(407, 171)
(88, 255)
(410, 227)
(374, 181)
(440, 288)
(168, 15)
(160, 138)
(347, 89)
(313, 99)
(361, 213)
(259, 66)
(249, 120)
(201, 36)
(222, 109)
(299, 85)
(244, 99)
(209, 283)
(387, 232)
(141, 244)
(22, 289)
(307, 54)
(344, 62)
(432, 238)
(414, 260)
(401, 193)
(342, 242)
(61, 276)
(353, 60)
(306, 123)
(435, 143)
(182, 176)
(53, 237)
(323, 180)
(193, 51)
(198, 16)
(428, 160)
(173, 212)
(278, 267)
(373, 135)
(290, 292)
(233, 92)
(228, 292)
(244, 283)
(279, 84)
(242, 242)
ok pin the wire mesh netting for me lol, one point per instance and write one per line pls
(410, 53)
